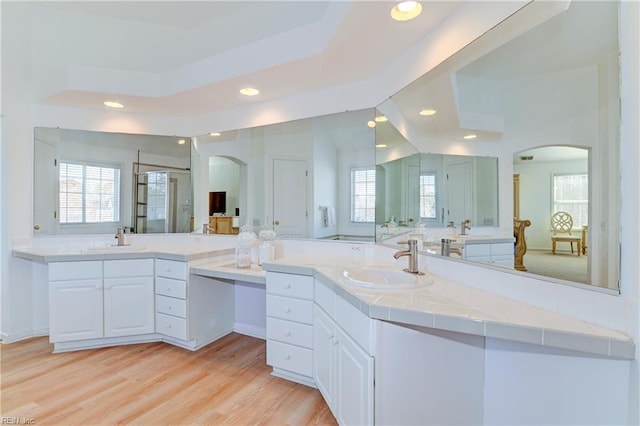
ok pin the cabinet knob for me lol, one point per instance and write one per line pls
(287, 310)
(287, 333)
(168, 326)
(168, 307)
(287, 357)
(287, 287)
(168, 288)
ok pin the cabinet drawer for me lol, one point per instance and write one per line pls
(128, 268)
(171, 306)
(299, 286)
(476, 250)
(291, 358)
(171, 269)
(59, 271)
(291, 332)
(171, 287)
(171, 326)
(290, 309)
(502, 249)
(503, 260)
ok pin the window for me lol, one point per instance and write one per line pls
(428, 196)
(363, 195)
(89, 193)
(571, 195)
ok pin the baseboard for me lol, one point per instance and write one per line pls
(6, 339)
(250, 330)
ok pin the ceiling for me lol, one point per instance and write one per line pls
(190, 58)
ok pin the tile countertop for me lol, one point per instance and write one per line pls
(179, 252)
(447, 305)
(225, 268)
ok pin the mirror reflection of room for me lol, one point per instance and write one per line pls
(224, 196)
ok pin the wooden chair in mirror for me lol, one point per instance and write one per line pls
(562, 224)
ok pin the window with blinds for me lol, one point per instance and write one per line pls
(363, 195)
(571, 195)
(89, 193)
(428, 209)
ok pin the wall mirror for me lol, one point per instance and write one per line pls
(93, 182)
(298, 177)
(492, 100)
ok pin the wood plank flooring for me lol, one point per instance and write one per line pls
(227, 382)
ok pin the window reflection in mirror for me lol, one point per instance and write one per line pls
(491, 99)
(94, 182)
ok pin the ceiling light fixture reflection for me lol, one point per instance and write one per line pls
(371, 123)
(406, 10)
(214, 134)
(381, 145)
(113, 104)
(249, 91)
(381, 119)
(427, 112)
(181, 142)
(472, 136)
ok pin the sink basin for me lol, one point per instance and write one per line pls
(382, 278)
(113, 249)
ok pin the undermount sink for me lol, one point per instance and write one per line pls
(383, 278)
(113, 249)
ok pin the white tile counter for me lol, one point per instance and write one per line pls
(451, 306)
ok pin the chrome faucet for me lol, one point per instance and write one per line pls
(464, 226)
(412, 252)
(120, 236)
(446, 249)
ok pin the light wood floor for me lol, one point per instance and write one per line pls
(226, 382)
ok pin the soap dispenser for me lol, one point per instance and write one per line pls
(246, 242)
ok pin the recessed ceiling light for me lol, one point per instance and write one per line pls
(181, 142)
(249, 91)
(113, 104)
(381, 145)
(381, 119)
(426, 112)
(406, 10)
(371, 123)
(214, 134)
(472, 136)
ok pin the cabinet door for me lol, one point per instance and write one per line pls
(324, 339)
(75, 310)
(128, 306)
(354, 382)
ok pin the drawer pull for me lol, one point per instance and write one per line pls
(287, 287)
(168, 307)
(168, 289)
(287, 357)
(287, 333)
(168, 326)
(287, 310)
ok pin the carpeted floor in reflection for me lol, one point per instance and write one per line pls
(562, 265)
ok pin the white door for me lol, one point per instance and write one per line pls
(323, 358)
(290, 197)
(128, 306)
(45, 189)
(354, 382)
(413, 194)
(75, 310)
(459, 192)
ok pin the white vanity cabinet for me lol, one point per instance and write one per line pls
(191, 311)
(99, 299)
(343, 363)
(290, 326)
(498, 253)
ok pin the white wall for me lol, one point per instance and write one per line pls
(325, 181)
(224, 175)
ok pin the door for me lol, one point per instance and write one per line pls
(459, 192)
(323, 371)
(354, 382)
(45, 189)
(128, 306)
(75, 310)
(290, 197)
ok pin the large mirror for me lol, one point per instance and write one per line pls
(542, 98)
(94, 182)
(308, 178)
